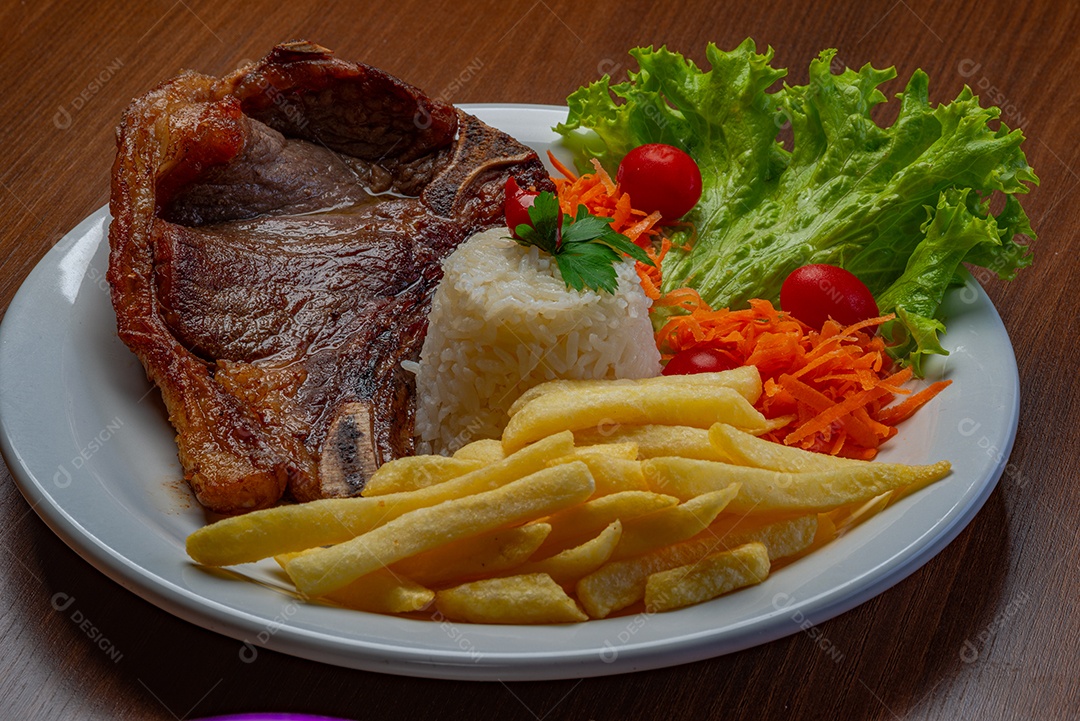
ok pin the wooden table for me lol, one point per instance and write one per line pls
(987, 629)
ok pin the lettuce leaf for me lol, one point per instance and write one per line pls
(960, 228)
(849, 192)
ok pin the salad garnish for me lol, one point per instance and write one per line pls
(900, 207)
(584, 246)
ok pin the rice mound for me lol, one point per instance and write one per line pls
(502, 321)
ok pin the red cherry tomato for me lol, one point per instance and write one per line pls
(518, 202)
(815, 293)
(660, 177)
(698, 360)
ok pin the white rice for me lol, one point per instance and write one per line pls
(503, 321)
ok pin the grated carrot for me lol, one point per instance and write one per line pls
(602, 197)
(899, 413)
(566, 172)
(836, 384)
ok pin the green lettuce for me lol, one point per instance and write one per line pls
(900, 206)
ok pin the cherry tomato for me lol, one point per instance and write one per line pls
(698, 360)
(660, 177)
(815, 293)
(518, 202)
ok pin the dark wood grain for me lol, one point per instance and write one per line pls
(988, 629)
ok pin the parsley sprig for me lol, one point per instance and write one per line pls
(585, 248)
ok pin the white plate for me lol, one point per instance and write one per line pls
(89, 445)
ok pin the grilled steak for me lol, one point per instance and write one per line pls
(276, 240)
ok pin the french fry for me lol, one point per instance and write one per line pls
(620, 583)
(501, 531)
(412, 473)
(685, 441)
(577, 524)
(568, 567)
(383, 592)
(743, 449)
(469, 558)
(783, 538)
(852, 514)
(600, 407)
(527, 599)
(380, 592)
(653, 441)
(706, 579)
(823, 490)
(487, 450)
(772, 424)
(824, 534)
(283, 529)
(612, 474)
(671, 525)
(905, 491)
(326, 569)
(626, 451)
(685, 477)
(765, 491)
(745, 380)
